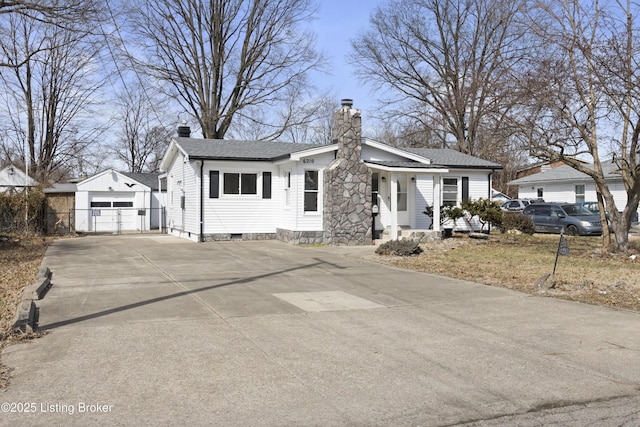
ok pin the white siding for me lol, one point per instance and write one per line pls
(424, 198)
(565, 192)
(310, 221)
(237, 213)
(177, 176)
(373, 154)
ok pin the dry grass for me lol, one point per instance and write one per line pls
(517, 262)
(20, 259)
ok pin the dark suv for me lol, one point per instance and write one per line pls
(573, 218)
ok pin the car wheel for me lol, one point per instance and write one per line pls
(572, 230)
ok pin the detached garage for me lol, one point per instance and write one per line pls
(114, 202)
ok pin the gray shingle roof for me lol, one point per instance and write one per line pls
(148, 179)
(61, 187)
(219, 149)
(239, 150)
(452, 158)
(565, 173)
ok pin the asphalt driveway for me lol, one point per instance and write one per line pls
(155, 330)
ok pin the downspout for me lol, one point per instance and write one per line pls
(201, 238)
(490, 183)
(490, 187)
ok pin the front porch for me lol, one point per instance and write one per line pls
(400, 195)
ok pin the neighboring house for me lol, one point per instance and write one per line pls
(565, 184)
(114, 201)
(13, 178)
(300, 193)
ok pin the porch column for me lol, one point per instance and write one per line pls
(436, 202)
(394, 205)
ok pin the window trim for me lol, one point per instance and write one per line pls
(442, 191)
(315, 191)
(579, 195)
(239, 192)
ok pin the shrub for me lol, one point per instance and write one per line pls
(487, 211)
(12, 210)
(452, 213)
(399, 248)
(517, 221)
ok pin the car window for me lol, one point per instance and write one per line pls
(575, 210)
(556, 211)
(525, 202)
(543, 210)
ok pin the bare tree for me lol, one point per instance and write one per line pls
(142, 139)
(223, 58)
(445, 62)
(584, 87)
(50, 77)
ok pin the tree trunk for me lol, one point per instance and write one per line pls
(606, 235)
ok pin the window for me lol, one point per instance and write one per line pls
(237, 183)
(310, 191)
(402, 195)
(249, 183)
(540, 193)
(375, 188)
(579, 193)
(122, 204)
(100, 204)
(450, 191)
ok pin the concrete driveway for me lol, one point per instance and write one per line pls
(155, 330)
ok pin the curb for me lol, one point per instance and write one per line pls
(28, 313)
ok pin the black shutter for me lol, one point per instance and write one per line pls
(266, 185)
(465, 189)
(214, 184)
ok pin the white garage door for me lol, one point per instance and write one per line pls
(113, 212)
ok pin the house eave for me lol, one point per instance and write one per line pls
(438, 170)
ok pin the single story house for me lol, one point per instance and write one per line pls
(13, 178)
(113, 201)
(343, 193)
(565, 184)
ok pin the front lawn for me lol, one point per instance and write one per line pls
(518, 261)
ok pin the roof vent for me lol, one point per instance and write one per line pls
(184, 131)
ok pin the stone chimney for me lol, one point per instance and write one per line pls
(347, 201)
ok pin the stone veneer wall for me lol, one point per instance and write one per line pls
(347, 182)
(300, 237)
(221, 237)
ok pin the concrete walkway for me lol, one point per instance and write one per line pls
(155, 330)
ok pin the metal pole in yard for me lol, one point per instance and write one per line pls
(562, 248)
